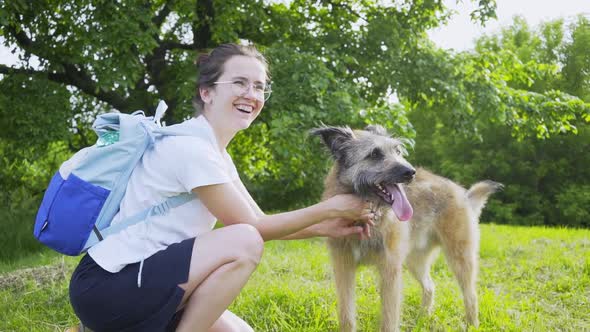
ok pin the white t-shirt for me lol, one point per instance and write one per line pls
(174, 165)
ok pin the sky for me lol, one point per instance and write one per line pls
(460, 32)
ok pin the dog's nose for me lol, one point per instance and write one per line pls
(409, 174)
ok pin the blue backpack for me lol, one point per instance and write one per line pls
(85, 193)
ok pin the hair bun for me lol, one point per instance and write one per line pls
(202, 59)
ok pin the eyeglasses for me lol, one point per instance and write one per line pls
(241, 87)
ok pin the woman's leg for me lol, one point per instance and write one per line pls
(230, 322)
(221, 263)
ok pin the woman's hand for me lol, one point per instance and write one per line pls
(349, 207)
(349, 210)
(340, 227)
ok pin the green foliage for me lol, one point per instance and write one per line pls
(573, 202)
(537, 173)
(542, 176)
(536, 67)
(279, 140)
(26, 181)
(530, 279)
(338, 63)
(33, 111)
(470, 90)
(576, 70)
(329, 60)
(16, 230)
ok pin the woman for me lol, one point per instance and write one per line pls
(175, 271)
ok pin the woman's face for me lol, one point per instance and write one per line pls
(236, 97)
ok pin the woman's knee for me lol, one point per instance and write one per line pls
(230, 322)
(248, 243)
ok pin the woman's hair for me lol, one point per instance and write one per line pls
(210, 67)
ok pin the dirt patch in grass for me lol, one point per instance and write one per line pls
(41, 275)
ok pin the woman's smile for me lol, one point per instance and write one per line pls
(245, 108)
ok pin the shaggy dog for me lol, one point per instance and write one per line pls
(416, 214)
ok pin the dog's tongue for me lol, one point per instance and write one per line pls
(401, 206)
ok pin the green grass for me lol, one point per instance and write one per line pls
(531, 279)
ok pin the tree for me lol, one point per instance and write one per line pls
(329, 60)
(336, 62)
(545, 177)
(576, 61)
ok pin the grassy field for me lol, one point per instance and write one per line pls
(531, 279)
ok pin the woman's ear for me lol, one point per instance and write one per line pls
(205, 95)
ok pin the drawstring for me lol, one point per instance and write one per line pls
(153, 121)
(160, 110)
(139, 274)
(158, 210)
(144, 238)
(149, 132)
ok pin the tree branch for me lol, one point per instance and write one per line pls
(159, 19)
(80, 79)
(24, 42)
(169, 45)
(347, 8)
(71, 75)
(202, 29)
(12, 70)
(155, 61)
(75, 77)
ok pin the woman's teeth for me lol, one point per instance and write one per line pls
(245, 108)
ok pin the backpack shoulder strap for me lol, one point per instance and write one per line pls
(156, 210)
(153, 128)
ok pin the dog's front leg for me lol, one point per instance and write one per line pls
(344, 275)
(390, 270)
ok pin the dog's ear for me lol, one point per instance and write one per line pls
(377, 129)
(334, 138)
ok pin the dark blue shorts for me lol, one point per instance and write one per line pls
(106, 301)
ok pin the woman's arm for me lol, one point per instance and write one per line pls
(230, 206)
(246, 194)
(333, 228)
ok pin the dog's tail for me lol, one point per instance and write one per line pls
(479, 193)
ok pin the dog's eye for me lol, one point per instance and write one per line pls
(376, 154)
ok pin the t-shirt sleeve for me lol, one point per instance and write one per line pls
(232, 171)
(201, 165)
